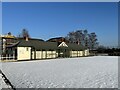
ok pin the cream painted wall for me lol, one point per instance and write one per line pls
(38, 54)
(54, 54)
(43, 54)
(49, 54)
(86, 52)
(76, 53)
(81, 53)
(33, 54)
(23, 53)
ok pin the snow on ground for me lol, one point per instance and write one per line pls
(82, 72)
(3, 84)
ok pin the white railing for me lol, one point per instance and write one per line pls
(7, 57)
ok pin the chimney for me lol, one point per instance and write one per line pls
(26, 38)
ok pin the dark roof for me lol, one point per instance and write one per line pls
(40, 45)
(57, 39)
(73, 46)
(12, 45)
(19, 38)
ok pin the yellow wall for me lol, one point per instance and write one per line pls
(73, 53)
(44, 54)
(23, 53)
(76, 53)
(81, 53)
(38, 54)
(54, 54)
(51, 54)
(86, 52)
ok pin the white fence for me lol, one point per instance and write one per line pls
(7, 57)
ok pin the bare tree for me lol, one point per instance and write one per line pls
(71, 37)
(93, 40)
(84, 38)
(79, 36)
(24, 34)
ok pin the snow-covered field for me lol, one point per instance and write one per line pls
(82, 72)
(3, 84)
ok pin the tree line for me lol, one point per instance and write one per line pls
(108, 50)
(82, 37)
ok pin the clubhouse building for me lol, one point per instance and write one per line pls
(35, 49)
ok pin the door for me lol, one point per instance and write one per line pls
(63, 52)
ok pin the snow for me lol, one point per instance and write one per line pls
(3, 84)
(82, 72)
